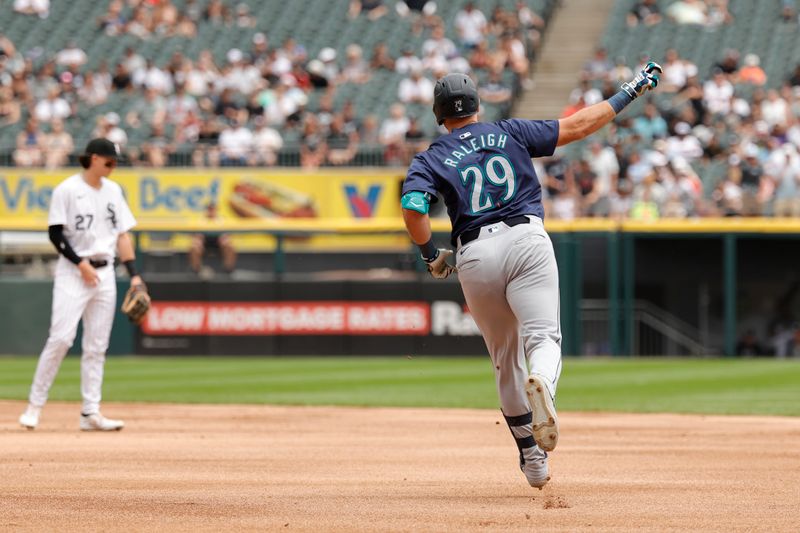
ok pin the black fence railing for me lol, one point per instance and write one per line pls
(367, 156)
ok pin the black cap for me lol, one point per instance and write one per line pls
(102, 147)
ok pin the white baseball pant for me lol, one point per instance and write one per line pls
(510, 281)
(74, 300)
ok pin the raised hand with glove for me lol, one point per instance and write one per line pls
(645, 80)
(590, 119)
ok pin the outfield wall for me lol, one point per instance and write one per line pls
(306, 313)
(266, 318)
(25, 311)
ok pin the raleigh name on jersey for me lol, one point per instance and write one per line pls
(484, 171)
(92, 218)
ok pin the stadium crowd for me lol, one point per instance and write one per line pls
(245, 109)
(255, 103)
(718, 143)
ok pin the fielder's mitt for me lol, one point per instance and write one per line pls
(136, 303)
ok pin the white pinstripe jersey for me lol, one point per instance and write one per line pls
(92, 218)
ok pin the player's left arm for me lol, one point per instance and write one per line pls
(589, 120)
(128, 258)
(419, 191)
(418, 225)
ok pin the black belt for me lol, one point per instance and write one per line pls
(98, 263)
(472, 234)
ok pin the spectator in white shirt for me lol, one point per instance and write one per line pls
(471, 25)
(590, 95)
(407, 62)
(455, 63)
(202, 76)
(284, 104)
(197, 81)
(434, 61)
(439, 43)
(267, 142)
(394, 128)
(688, 12)
(235, 144)
(72, 55)
(784, 169)
(415, 89)
(107, 126)
(52, 108)
(683, 144)
(242, 75)
(676, 72)
(133, 62)
(355, 70)
(621, 72)
(603, 162)
(717, 93)
(775, 110)
(152, 77)
(33, 7)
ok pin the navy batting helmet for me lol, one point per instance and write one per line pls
(455, 96)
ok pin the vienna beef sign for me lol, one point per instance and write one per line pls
(439, 318)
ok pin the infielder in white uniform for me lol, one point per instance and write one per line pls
(89, 221)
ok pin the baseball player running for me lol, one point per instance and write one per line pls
(88, 221)
(505, 259)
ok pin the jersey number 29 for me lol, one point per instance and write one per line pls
(499, 171)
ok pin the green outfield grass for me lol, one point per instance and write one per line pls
(633, 385)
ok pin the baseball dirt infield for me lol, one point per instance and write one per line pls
(211, 468)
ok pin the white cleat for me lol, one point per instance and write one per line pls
(534, 465)
(545, 420)
(97, 422)
(30, 418)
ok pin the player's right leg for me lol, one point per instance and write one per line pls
(533, 295)
(484, 289)
(98, 319)
(70, 296)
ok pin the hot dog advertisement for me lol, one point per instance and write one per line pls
(262, 199)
